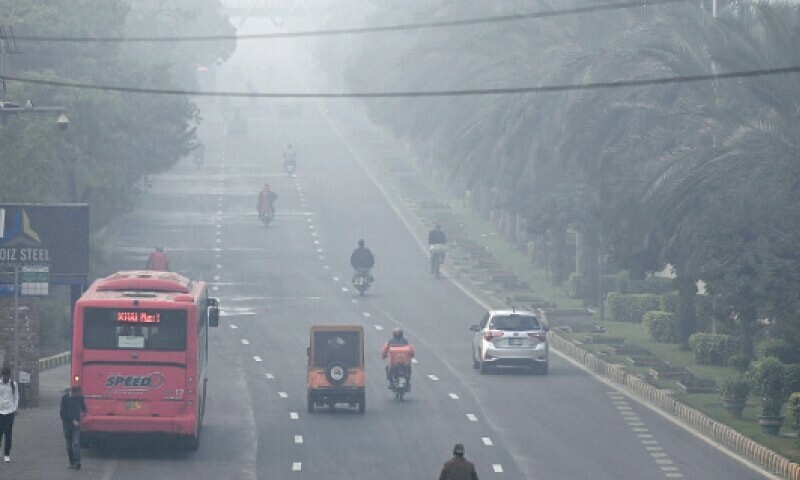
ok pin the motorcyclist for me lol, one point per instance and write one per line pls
(399, 352)
(158, 260)
(362, 260)
(266, 200)
(289, 156)
(437, 237)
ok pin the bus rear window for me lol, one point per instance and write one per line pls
(130, 329)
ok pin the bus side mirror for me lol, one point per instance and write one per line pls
(213, 312)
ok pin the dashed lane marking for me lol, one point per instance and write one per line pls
(257, 358)
(367, 314)
(497, 468)
(245, 341)
(471, 417)
(234, 326)
(335, 279)
(345, 290)
(487, 441)
(219, 265)
(453, 396)
(433, 377)
(298, 439)
(326, 267)
(322, 257)
(215, 288)
(319, 250)
(294, 416)
(644, 435)
(378, 328)
(316, 242)
(297, 466)
(216, 278)
(354, 300)
(269, 376)
(414, 360)
(283, 394)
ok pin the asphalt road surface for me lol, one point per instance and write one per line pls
(275, 282)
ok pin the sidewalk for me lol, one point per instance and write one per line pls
(38, 451)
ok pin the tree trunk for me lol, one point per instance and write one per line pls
(559, 264)
(686, 318)
(747, 322)
(589, 268)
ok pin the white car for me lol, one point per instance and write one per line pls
(510, 338)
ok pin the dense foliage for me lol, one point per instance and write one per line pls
(114, 140)
(704, 176)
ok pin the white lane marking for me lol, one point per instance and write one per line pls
(453, 396)
(626, 413)
(219, 212)
(414, 360)
(653, 449)
(658, 454)
(217, 249)
(269, 376)
(433, 377)
(311, 227)
(219, 265)
(308, 220)
(354, 300)
(319, 250)
(283, 394)
(215, 288)
(217, 256)
(245, 341)
(471, 417)
(298, 439)
(664, 461)
(335, 279)
(314, 234)
(640, 429)
(257, 358)
(322, 257)
(297, 466)
(367, 314)
(624, 407)
(378, 328)
(234, 326)
(673, 475)
(316, 242)
(219, 240)
(649, 442)
(345, 290)
(669, 469)
(487, 441)
(644, 435)
(326, 267)
(216, 278)
(635, 424)
(294, 415)
(497, 468)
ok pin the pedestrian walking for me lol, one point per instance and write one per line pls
(73, 408)
(458, 467)
(9, 401)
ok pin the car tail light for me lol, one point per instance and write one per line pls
(488, 336)
(539, 337)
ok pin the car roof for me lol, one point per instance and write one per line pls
(526, 313)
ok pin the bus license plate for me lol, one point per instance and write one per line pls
(133, 405)
(515, 342)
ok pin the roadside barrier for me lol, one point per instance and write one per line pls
(704, 424)
(55, 361)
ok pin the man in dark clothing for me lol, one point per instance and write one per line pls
(73, 408)
(458, 468)
(362, 258)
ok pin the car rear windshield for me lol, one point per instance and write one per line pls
(515, 322)
(337, 346)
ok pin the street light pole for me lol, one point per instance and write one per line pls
(16, 321)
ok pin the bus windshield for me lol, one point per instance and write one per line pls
(130, 329)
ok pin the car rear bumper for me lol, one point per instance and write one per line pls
(121, 424)
(516, 356)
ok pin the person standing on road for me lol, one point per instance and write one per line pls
(72, 409)
(458, 468)
(9, 401)
(158, 260)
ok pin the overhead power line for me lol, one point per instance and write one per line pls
(360, 30)
(429, 93)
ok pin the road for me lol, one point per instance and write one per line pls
(275, 282)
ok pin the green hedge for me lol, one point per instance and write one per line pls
(711, 349)
(793, 377)
(653, 285)
(778, 348)
(669, 302)
(631, 307)
(660, 326)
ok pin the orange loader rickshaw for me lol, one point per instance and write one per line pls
(336, 373)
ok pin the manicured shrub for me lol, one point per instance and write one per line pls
(669, 302)
(630, 308)
(778, 348)
(768, 378)
(793, 377)
(711, 349)
(660, 326)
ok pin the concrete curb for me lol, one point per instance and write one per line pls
(55, 361)
(730, 438)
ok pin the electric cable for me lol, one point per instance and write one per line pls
(428, 93)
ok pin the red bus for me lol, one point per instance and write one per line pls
(140, 355)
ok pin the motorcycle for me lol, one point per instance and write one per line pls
(266, 208)
(362, 280)
(399, 380)
(437, 258)
(289, 166)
